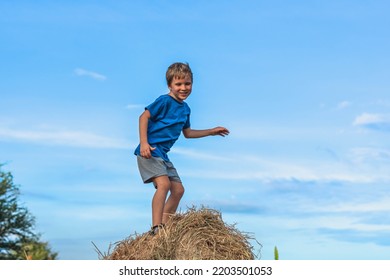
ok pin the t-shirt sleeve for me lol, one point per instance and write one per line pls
(188, 122)
(156, 108)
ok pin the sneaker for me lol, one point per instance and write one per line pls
(154, 230)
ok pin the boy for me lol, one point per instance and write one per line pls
(160, 126)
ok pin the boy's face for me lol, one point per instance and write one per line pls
(180, 88)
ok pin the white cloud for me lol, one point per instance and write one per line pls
(333, 222)
(277, 170)
(343, 105)
(382, 102)
(368, 119)
(377, 206)
(378, 122)
(253, 131)
(135, 106)
(363, 154)
(91, 74)
(198, 155)
(64, 138)
(95, 213)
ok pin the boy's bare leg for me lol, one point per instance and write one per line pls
(177, 191)
(158, 202)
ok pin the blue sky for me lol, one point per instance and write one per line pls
(303, 86)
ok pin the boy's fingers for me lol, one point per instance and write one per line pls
(147, 154)
(221, 131)
(224, 131)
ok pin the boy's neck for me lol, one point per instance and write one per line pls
(173, 96)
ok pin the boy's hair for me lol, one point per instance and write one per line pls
(178, 70)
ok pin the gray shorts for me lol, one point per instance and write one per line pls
(156, 167)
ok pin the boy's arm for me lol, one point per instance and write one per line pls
(195, 133)
(145, 148)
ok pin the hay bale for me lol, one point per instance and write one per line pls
(194, 235)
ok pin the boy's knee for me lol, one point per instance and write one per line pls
(178, 190)
(162, 185)
(181, 191)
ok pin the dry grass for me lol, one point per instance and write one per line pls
(193, 235)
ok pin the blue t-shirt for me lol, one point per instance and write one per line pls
(168, 118)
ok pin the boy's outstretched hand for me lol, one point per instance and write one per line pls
(195, 133)
(219, 130)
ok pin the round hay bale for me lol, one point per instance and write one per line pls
(194, 235)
